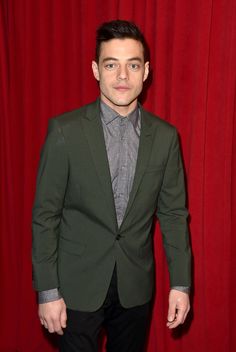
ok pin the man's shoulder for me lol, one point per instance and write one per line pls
(70, 117)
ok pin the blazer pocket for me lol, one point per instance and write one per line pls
(145, 250)
(75, 248)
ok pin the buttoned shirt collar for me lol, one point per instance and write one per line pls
(108, 114)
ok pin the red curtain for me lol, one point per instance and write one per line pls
(46, 48)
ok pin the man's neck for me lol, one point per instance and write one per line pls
(121, 110)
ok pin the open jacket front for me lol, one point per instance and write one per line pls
(76, 239)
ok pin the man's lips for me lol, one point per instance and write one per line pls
(122, 88)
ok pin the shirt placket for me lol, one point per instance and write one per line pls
(121, 196)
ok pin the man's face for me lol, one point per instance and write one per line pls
(121, 72)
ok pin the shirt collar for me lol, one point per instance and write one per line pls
(108, 114)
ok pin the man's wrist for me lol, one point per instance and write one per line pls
(185, 289)
(49, 296)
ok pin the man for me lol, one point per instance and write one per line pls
(106, 169)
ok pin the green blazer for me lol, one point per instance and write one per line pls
(76, 239)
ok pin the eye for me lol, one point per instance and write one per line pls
(134, 67)
(110, 66)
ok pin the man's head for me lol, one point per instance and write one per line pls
(121, 64)
(119, 29)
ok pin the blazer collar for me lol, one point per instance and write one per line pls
(93, 130)
(144, 152)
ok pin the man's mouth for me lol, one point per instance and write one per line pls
(122, 88)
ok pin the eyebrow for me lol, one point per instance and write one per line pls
(136, 58)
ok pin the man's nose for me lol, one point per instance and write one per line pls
(122, 72)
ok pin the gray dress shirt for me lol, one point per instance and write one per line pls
(121, 136)
(122, 142)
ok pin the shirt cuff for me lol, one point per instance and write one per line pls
(185, 289)
(49, 295)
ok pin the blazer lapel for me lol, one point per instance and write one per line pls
(145, 146)
(94, 133)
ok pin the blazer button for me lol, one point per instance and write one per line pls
(118, 237)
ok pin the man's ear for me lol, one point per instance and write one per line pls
(146, 71)
(95, 70)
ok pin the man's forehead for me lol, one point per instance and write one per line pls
(117, 48)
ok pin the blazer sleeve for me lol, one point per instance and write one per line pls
(47, 210)
(172, 215)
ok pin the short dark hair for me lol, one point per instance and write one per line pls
(119, 29)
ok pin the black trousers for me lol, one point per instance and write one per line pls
(126, 328)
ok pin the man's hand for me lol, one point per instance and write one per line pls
(53, 316)
(178, 308)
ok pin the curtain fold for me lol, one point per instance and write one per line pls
(46, 49)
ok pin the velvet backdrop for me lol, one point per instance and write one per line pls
(46, 48)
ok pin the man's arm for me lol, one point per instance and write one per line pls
(47, 211)
(172, 215)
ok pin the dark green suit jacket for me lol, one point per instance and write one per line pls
(76, 239)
